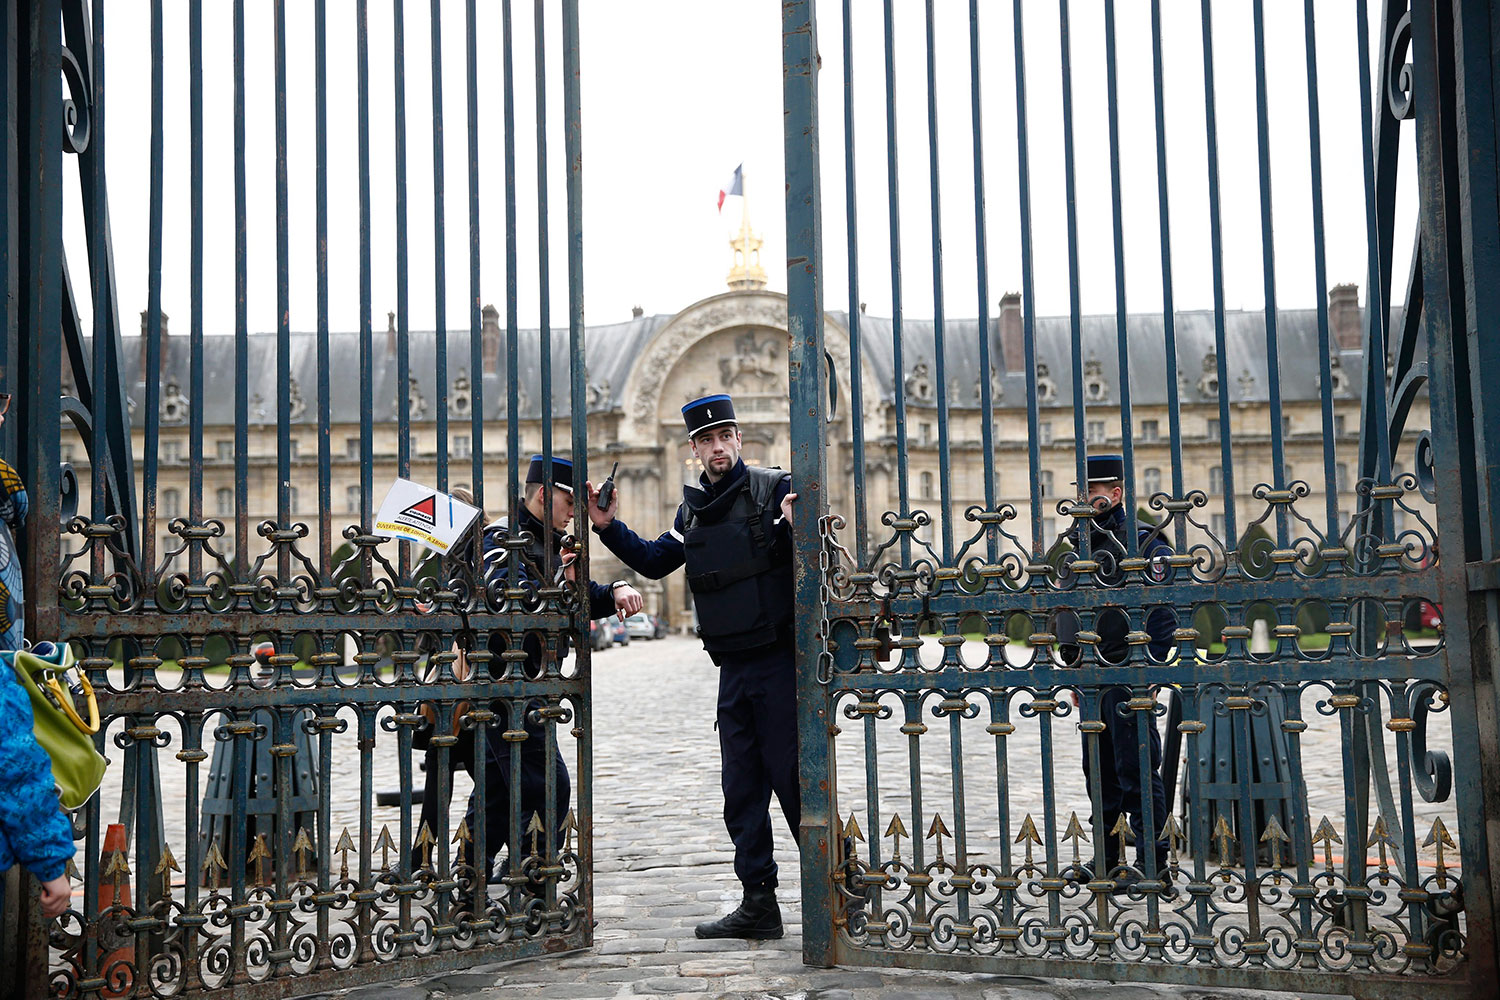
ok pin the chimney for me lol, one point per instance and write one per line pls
(390, 334)
(145, 325)
(636, 312)
(489, 327)
(1344, 321)
(1012, 344)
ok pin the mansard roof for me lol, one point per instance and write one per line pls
(613, 348)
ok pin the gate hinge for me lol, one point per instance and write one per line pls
(1484, 575)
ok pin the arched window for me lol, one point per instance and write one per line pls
(171, 503)
(1216, 480)
(1150, 481)
(926, 486)
(225, 500)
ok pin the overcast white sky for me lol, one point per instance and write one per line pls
(677, 92)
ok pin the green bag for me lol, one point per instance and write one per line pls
(51, 680)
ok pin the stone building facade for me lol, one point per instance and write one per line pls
(641, 371)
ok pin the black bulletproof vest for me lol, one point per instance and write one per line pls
(742, 588)
(535, 558)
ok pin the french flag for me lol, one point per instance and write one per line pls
(734, 186)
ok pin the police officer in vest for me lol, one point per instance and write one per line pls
(1119, 778)
(733, 532)
(539, 562)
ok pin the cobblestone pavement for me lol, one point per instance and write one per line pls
(663, 863)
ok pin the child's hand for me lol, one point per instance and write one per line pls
(56, 895)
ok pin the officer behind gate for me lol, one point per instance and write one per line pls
(734, 534)
(1119, 777)
(535, 512)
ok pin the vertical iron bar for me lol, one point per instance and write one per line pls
(1320, 274)
(241, 318)
(284, 510)
(1216, 247)
(903, 488)
(195, 287)
(476, 338)
(366, 331)
(325, 445)
(439, 250)
(99, 254)
(512, 347)
(1127, 418)
(403, 320)
(982, 285)
(1268, 267)
(544, 269)
(1075, 308)
(1028, 286)
(1168, 309)
(151, 376)
(914, 727)
(1375, 299)
(578, 411)
(940, 367)
(856, 380)
(809, 464)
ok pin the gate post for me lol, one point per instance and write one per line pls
(1454, 63)
(34, 111)
(806, 375)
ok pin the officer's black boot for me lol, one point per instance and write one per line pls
(758, 918)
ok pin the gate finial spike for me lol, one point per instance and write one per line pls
(1225, 836)
(569, 827)
(536, 830)
(1380, 837)
(1276, 836)
(260, 852)
(1326, 835)
(1122, 830)
(343, 847)
(852, 832)
(1028, 836)
(462, 837)
(385, 845)
(1076, 834)
(1172, 834)
(1438, 836)
(939, 830)
(896, 829)
(213, 863)
(165, 866)
(427, 840)
(119, 869)
(302, 847)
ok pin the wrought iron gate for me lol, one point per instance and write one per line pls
(946, 822)
(270, 669)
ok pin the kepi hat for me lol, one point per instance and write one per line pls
(1105, 468)
(562, 472)
(708, 412)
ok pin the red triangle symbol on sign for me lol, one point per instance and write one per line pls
(425, 509)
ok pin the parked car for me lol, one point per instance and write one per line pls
(659, 627)
(640, 626)
(605, 632)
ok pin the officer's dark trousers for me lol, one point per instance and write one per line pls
(757, 721)
(1120, 777)
(497, 787)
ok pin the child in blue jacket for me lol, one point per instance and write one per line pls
(34, 832)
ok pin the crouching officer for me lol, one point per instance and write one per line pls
(1119, 780)
(733, 532)
(539, 563)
